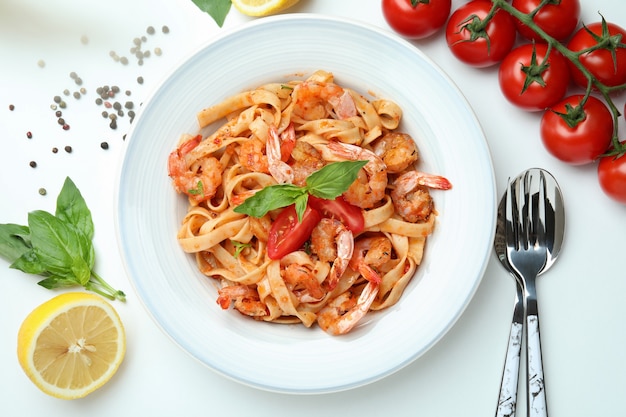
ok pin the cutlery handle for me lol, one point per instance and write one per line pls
(537, 405)
(507, 399)
(510, 375)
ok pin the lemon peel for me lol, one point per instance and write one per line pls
(259, 8)
(71, 345)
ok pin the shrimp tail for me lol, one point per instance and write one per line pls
(281, 172)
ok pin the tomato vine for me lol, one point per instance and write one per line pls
(603, 42)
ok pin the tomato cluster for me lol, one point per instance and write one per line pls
(542, 51)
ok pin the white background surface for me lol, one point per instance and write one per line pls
(581, 298)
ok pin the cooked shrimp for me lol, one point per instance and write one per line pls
(341, 314)
(370, 253)
(306, 160)
(369, 187)
(246, 300)
(304, 283)
(317, 100)
(199, 181)
(279, 169)
(411, 197)
(252, 157)
(332, 242)
(397, 150)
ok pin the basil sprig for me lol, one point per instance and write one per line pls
(58, 247)
(329, 182)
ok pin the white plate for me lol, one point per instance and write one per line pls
(291, 358)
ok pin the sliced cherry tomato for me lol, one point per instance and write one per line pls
(416, 18)
(557, 18)
(612, 177)
(534, 83)
(287, 234)
(351, 216)
(584, 142)
(490, 44)
(609, 71)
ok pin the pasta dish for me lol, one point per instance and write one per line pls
(305, 203)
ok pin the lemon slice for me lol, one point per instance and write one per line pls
(71, 345)
(262, 7)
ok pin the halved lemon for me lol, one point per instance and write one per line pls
(262, 7)
(71, 345)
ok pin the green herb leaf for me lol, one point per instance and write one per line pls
(29, 263)
(334, 179)
(57, 282)
(55, 243)
(329, 182)
(71, 208)
(239, 246)
(58, 247)
(14, 241)
(199, 190)
(217, 9)
(270, 198)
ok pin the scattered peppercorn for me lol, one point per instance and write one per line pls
(140, 80)
(166, 29)
(33, 164)
(11, 107)
(68, 149)
(42, 191)
(104, 145)
(29, 135)
(66, 127)
(55, 150)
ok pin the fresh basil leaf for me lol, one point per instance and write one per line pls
(217, 9)
(58, 282)
(81, 271)
(29, 263)
(301, 202)
(55, 243)
(270, 198)
(334, 179)
(72, 208)
(14, 241)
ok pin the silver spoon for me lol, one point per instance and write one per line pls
(507, 399)
(534, 229)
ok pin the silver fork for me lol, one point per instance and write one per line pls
(533, 229)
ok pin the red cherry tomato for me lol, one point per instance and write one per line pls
(534, 84)
(558, 20)
(612, 177)
(416, 18)
(351, 216)
(584, 142)
(287, 234)
(599, 62)
(499, 34)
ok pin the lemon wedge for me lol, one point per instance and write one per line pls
(260, 8)
(71, 345)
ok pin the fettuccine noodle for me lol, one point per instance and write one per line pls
(282, 133)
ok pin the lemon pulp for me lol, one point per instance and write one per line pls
(71, 345)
